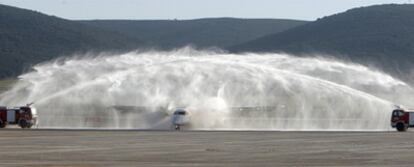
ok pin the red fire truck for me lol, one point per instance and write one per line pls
(402, 119)
(23, 116)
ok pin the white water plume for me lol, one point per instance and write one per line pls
(299, 93)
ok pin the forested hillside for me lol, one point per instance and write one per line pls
(382, 35)
(28, 37)
(201, 33)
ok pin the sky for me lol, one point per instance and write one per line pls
(192, 9)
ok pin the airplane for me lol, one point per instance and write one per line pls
(180, 117)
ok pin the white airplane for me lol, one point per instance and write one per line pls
(180, 117)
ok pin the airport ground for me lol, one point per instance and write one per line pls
(89, 148)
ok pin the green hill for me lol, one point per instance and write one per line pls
(28, 37)
(381, 35)
(6, 84)
(211, 32)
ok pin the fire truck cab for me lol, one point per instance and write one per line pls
(24, 116)
(402, 119)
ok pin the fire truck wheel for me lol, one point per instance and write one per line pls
(23, 123)
(2, 124)
(401, 127)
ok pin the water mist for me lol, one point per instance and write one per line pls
(303, 93)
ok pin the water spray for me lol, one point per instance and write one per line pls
(291, 93)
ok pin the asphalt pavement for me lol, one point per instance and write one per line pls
(89, 148)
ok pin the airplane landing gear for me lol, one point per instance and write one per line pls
(177, 127)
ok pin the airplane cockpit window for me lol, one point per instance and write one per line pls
(180, 113)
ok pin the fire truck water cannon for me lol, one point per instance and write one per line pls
(23, 116)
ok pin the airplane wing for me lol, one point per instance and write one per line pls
(147, 109)
(139, 109)
(253, 109)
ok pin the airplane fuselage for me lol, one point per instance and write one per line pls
(180, 117)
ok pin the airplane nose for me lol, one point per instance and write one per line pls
(178, 120)
(175, 119)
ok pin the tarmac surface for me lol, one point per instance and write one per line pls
(89, 148)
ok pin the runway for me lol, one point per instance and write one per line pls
(89, 148)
